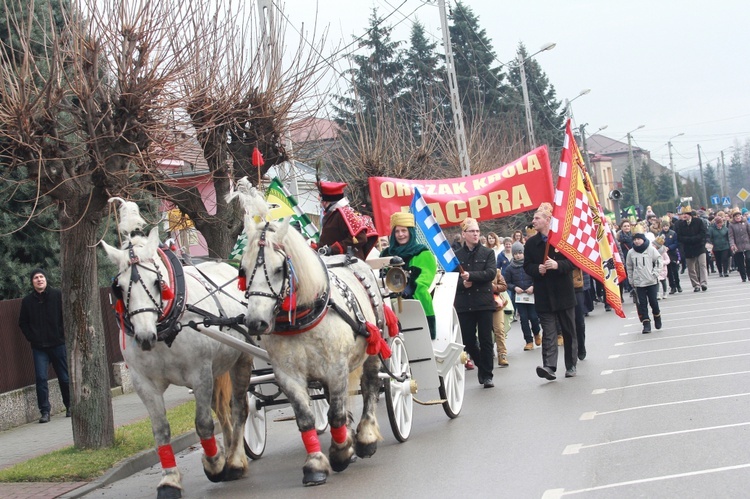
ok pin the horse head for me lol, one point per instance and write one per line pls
(139, 285)
(281, 272)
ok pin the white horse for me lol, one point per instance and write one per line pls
(157, 301)
(318, 324)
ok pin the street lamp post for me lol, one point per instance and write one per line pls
(632, 167)
(671, 165)
(583, 92)
(525, 91)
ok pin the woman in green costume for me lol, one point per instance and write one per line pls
(419, 262)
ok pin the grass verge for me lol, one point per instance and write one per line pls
(75, 465)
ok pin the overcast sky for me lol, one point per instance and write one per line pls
(674, 66)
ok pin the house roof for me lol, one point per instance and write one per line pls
(314, 129)
(599, 144)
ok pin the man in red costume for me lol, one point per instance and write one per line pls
(343, 227)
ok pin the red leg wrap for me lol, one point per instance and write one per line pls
(310, 439)
(209, 446)
(166, 456)
(339, 434)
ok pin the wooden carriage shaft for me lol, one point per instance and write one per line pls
(234, 342)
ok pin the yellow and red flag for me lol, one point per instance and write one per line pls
(579, 229)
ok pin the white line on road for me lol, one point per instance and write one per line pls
(660, 337)
(599, 391)
(588, 416)
(610, 371)
(576, 448)
(684, 347)
(742, 313)
(556, 493)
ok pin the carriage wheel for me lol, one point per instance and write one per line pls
(452, 384)
(320, 410)
(398, 396)
(256, 430)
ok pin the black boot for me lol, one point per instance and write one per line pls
(646, 326)
(657, 321)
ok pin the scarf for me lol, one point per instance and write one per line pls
(405, 251)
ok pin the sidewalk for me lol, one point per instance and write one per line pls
(34, 439)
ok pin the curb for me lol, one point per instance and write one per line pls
(131, 466)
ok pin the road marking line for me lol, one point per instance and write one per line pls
(610, 371)
(599, 391)
(684, 347)
(662, 338)
(557, 493)
(742, 313)
(576, 448)
(588, 416)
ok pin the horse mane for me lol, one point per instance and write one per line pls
(311, 273)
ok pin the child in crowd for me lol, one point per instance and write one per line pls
(665, 261)
(644, 266)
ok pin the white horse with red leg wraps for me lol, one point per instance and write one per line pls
(318, 324)
(157, 300)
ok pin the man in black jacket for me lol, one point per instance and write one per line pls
(555, 299)
(691, 233)
(41, 322)
(474, 301)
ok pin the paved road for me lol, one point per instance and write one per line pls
(659, 415)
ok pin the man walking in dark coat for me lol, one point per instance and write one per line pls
(555, 296)
(691, 233)
(475, 302)
(41, 322)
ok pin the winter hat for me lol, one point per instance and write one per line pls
(517, 248)
(35, 272)
(640, 235)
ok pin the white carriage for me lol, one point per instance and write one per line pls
(417, 366)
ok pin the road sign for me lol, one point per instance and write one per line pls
(743, 194)
(725, 201)
(714, 199)
(686, 199)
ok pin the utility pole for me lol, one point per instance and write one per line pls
(671, 165)
(703, 182)
(636, 200)
(586, 158)
(526, 102)
(724, 188)
(458, 115)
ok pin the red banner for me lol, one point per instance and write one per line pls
(514, 188)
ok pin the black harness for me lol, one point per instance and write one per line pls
(169, 312)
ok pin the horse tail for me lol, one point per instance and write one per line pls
(223, 400)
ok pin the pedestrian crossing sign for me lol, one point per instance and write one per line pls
(743, 194)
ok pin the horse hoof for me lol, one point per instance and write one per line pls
(340, 465)
(233, 474)
(216, 477)
(311, 478)
(366, 450)
(168, 492)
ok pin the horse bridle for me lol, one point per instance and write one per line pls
(260, 262)
(135, 277)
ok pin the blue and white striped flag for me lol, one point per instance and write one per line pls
(432, 232)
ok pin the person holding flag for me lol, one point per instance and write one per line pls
(555, 298)
(419, 263)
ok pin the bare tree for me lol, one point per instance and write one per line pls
(80, 116)
(241, 89)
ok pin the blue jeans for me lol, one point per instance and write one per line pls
(58, 357)
(528, 317)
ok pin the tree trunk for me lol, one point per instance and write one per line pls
(93, 422)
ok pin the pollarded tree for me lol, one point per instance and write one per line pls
(237, 94)
(76, 118)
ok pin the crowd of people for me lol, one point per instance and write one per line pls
(550, 297)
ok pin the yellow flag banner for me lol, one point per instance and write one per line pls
(579, 229)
